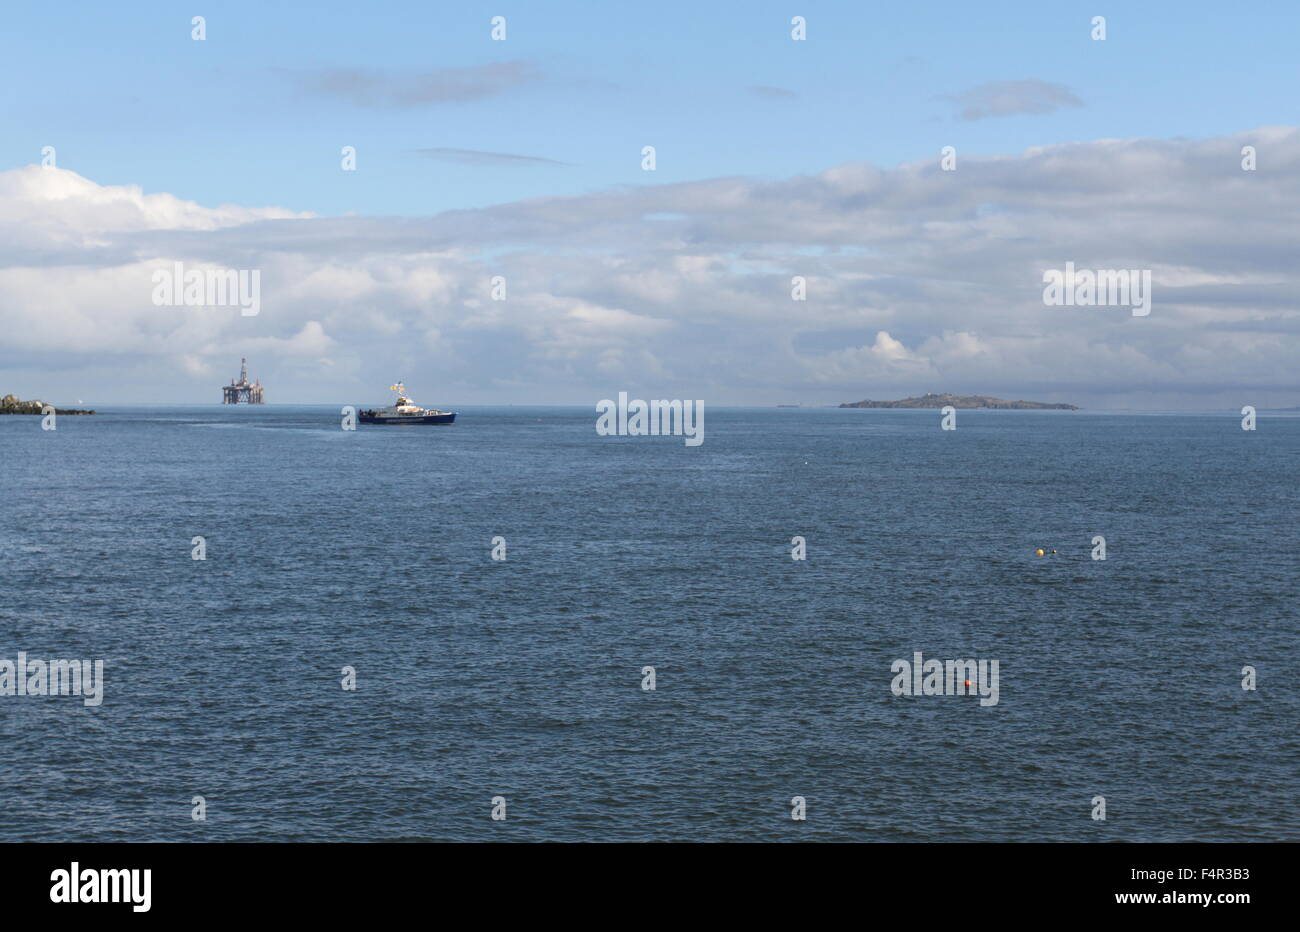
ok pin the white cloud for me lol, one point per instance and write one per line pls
(919, 280)
(1008, 98)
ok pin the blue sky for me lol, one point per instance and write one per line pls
(521, 159)
(126, 96)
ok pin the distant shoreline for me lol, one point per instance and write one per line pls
(11, 404)
(931, 400)
(109, 407)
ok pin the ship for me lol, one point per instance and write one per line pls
(405, 411)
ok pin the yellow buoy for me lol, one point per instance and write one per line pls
(1038, 553)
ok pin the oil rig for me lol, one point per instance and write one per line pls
(242, 391)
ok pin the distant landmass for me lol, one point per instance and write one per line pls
(931, 400)
(10, 404)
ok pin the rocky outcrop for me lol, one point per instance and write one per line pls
(10, 404)
(932, 400)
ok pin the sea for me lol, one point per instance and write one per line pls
(450, 633)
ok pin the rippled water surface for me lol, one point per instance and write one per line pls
(522, 678)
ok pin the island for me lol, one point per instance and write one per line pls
(931, 400)
(10, 404)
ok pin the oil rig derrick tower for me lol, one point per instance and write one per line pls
(242, 391)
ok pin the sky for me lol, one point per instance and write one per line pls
(522, 159)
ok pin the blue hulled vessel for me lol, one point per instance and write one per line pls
(405, 411)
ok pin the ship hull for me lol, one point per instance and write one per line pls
(422, 419)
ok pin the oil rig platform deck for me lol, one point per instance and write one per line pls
(242, 391)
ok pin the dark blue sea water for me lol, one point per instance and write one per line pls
(522, 678)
